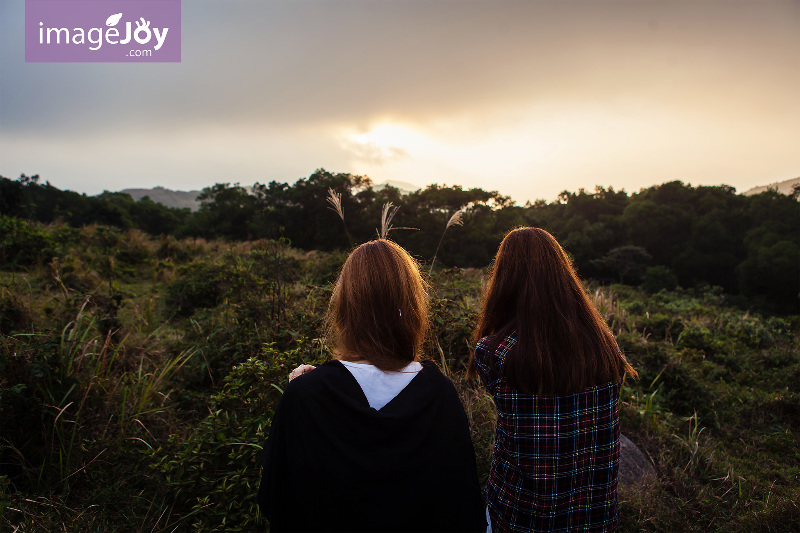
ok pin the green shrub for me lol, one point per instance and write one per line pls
(5, 494)
(322, 268)
(106, 237)
(698, 337)
(755, 332)
(452, 323)
(659, 326)
(39, 391)
(23, 243)
(658, 278)
(133, 251)
(173, 249)
(199, 285)
(685, 392)
(67, 236)
(215, 471)
(205, 285)
(14, 314)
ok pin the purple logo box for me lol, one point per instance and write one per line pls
(115, 31)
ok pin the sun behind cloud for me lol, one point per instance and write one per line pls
(384, 143)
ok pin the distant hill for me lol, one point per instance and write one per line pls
(181, 199)
(784, 187)
(403, 186)
(167, 197)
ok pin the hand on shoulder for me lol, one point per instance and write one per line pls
(300, 370)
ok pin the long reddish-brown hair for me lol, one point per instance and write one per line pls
(563, 344)
(379, 307)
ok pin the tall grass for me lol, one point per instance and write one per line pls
(457, 219)
(608, 304)
(335, 199)
(387, 214)
(86, 379)
(715, 408)
(146, 392)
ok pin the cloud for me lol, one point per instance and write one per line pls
(374, 155)
(332, 62)
(265, 90)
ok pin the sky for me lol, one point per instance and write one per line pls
(528, 98)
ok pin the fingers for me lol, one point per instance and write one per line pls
(300, 370)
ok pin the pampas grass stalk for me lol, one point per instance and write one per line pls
(335, 199)
(456, 220)
(387, 214)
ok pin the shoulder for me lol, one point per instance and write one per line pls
(605, 393)
(507, 342)
(432, 381)
(332, 371)
(431, 372)
(326, 389)
(483, 344)
(595, 398)
(441, 386)
(430, 367)
(495, 345)
(439, 391)
(503, 342)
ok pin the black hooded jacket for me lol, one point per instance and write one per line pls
(333, 463)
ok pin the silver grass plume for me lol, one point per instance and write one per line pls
(335, 199)
(456, 220)
(387, 214)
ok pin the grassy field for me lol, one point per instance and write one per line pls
(138, 377)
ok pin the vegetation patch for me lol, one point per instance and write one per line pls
(135, 394)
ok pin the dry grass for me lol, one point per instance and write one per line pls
(608, 304)
(387, 214)
(482, 415)
(456, 219)
(335, 199)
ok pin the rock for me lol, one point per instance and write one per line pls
(634, 466)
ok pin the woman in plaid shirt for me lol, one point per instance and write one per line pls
(554, 371)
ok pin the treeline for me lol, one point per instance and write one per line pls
(28, 199)
(663, 236)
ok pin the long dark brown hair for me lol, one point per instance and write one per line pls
(563, 344)
(379, 307)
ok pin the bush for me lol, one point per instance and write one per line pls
(699, 337)
(200, 285)
(134, 250)
(5, 494)
(37, 382)
(170, 248)
(755, 332)
(660, 326)
(23, 244)
(14, 314)
(658, 278)
(216, 470)
(452, 324)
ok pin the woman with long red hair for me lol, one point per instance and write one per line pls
(377, 439)
(554, 370)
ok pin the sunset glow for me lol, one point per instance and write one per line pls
(528, 99)
(388, 135)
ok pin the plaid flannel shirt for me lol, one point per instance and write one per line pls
(555, 460)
